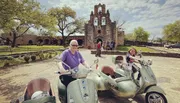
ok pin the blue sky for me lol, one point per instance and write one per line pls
(152, 15)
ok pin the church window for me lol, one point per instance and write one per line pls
(95, 21)
(103, 21)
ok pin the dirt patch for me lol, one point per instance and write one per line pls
(176, 89)
(9, 89)
(163, 80)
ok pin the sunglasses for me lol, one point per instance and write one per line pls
(74, 45)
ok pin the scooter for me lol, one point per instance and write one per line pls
(123, 83)
(81, 90)
(37, 91)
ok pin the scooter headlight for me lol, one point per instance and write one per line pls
(149, 62)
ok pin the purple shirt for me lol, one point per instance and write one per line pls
(73, 60)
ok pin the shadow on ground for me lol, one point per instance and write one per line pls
(9, 89)
(108, 97)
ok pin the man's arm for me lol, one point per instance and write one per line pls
(86, 65)
(62, 58)
(82, 61)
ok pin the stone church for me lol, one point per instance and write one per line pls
(101, 28)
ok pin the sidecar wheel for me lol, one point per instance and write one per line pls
(154, 97)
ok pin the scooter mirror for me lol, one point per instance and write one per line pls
(149, 62)
(96, 61)
(140, 54)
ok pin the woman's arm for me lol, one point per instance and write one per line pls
(134, 59)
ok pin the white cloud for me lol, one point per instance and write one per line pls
(150, 14)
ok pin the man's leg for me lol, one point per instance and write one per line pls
(65, 79)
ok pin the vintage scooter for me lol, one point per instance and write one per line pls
(124, 84)
(37, 91)
(81, 90)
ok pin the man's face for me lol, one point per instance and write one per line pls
(74, 46)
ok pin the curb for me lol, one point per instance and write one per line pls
(109, 52)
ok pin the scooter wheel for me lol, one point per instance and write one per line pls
(155, 97)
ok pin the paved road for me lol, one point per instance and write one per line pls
(14, 79)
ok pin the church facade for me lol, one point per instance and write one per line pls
(101, 28)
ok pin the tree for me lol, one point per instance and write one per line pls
(172, 32)
(130, 37)
(7, 8)
(66, 21)
(26, 14)
(140, 34)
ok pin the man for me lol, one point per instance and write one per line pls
(72, 58)
(98, 49)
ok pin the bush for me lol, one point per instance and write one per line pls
(33, 57)
(46, 55)
(6, 63)
(41, 56)
(26, 58)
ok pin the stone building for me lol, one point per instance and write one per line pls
(101, 28)
(29, 39)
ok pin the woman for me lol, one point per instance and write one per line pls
(130, 59)
(72, 58)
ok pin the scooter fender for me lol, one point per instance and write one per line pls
(155, 89)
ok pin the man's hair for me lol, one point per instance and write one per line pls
(72, 41)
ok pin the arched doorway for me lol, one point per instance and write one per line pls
(46, 41)
(40, 41)
(80, 42)
(30, 42)
(55, 42)
(99, 40)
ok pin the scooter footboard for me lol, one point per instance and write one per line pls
(82, 91)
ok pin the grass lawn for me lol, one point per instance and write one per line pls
(5, 50)
(143, 49)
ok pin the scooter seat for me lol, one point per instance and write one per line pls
(108, 71)
(40, 84)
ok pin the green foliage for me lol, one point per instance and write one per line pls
(41, 56)
(143, 49)
(172, 32)
(25, 15)
(140, 34)
(26, 58)
(23, 49)
(66, 21)
(130, 37)
(7, 9)
(10, 61)
(33, 57)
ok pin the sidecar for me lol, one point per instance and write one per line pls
(37, 91)
(124, 83)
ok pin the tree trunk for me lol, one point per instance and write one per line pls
(14, 39)
(63, 40)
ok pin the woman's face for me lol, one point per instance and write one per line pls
(133, 52)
